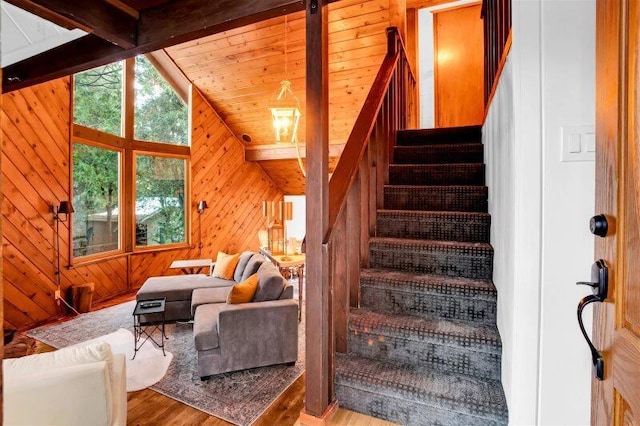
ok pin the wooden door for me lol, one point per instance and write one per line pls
(616, 399)
(458, 45)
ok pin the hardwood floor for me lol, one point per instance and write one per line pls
(148, 407)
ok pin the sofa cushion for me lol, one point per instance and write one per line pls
(205, 326)
(203, 296)
(243, 292)
(252, 266)
(225, 265)
(242, 264)
(270, 283)
(178, 287)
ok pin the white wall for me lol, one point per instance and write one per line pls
(425, 57)
(568, 45)
(296, 228)
(540, 209)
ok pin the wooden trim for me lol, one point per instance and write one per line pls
(164, 149)
(171, 73)
(496, 80)
(280, 152)
(98, 258)
(97, 138)
(307, 419)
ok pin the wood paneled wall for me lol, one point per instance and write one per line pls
(240, 70)
(35, 175)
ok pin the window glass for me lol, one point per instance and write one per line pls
(98, 98)
(160, 114)
(160, 203)
(96, 200)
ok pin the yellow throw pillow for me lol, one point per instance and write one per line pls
(243, 292)
(226, 265)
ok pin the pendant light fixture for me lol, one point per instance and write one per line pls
(284, 106)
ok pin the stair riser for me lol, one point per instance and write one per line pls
(467, 264)
(452, 307)
(405, 412)
(473, 230)
(471, 134)
(421, 155)
(437, 175)
(434, 200)
(427, 353)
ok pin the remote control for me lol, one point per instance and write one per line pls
(150, 304)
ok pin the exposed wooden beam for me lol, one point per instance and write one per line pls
(92, 16)
(279, 152)
(159, 27)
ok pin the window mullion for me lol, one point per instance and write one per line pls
(128, 175)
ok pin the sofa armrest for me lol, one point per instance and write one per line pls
(259, 332)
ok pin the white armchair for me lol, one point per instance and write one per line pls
(70, 386)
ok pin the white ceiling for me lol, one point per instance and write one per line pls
(23, 34)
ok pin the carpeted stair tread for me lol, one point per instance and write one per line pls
(434, 225)
(454, 259)
(467, 134)
(429, 283)
(434, 296)
(460, 198)
(416, 395)
(479, 337)
(439, 154)
(436, 174)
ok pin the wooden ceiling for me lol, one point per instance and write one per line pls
(239, 71)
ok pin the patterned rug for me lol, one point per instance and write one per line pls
(239, 397)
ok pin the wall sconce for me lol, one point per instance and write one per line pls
(202, 206)
(64, 209)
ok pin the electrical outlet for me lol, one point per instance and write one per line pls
(56, 295)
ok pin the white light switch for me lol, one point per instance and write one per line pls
(578, 143)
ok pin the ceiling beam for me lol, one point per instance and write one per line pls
(159, 27)
(171, 73)
(92, 16)
(280, 152)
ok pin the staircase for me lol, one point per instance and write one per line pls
(423, 346)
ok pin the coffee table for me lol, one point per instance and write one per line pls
(153, 312)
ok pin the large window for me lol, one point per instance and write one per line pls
(98, 98)
(96, 200)
(160, 206)
(129, 169)
(160, 114)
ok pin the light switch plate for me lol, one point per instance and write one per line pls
(578, 143)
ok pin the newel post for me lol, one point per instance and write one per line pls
(319, 345)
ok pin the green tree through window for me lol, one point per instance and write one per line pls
(98, 98)
(160, 114)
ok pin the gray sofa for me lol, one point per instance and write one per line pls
(230, 337)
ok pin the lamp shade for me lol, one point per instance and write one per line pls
(202, 205)
(65, 207)
(287, 210)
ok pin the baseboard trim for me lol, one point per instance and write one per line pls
(307, 419)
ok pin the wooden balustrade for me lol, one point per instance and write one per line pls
(356, 187)
(496, 15)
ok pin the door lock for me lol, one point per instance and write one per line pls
(599, 226)
(600, 287)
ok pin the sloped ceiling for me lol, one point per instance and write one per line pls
(23, 34)
(240, 70)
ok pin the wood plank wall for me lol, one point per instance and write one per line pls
(35, 174)
(240, 70)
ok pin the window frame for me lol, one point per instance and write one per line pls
(128, 147)
(121, 152)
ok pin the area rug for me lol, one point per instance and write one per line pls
(239, 397)
(146, 369)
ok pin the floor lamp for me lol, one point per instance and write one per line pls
(65, 208)
(202, 206)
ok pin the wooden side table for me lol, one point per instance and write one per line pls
(193, 266)
(285, 264)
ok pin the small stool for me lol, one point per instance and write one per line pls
(205, 296)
